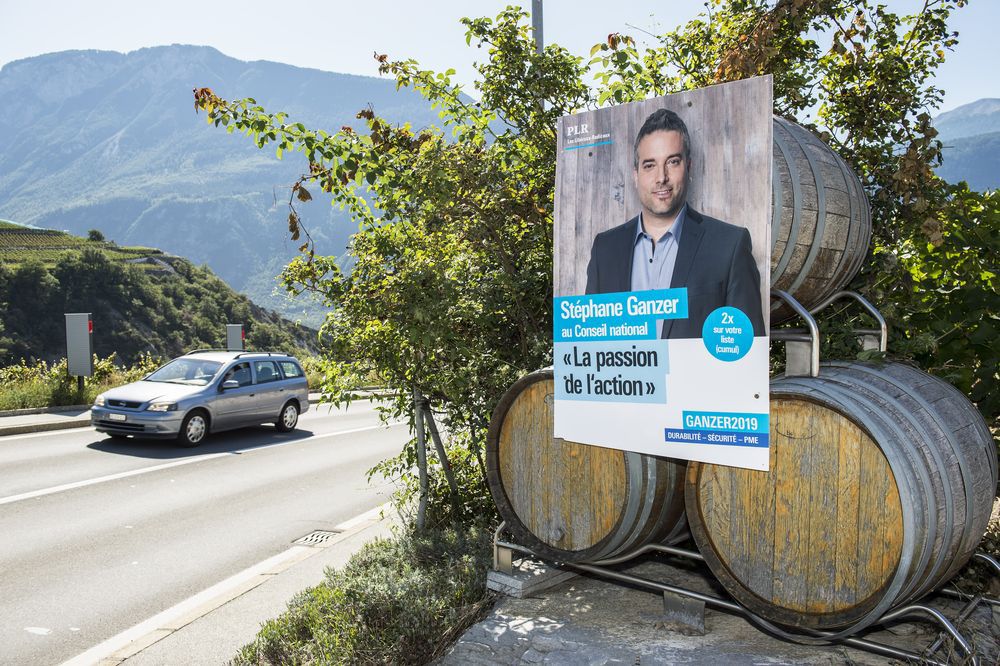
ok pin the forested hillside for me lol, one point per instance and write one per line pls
(110, 141)
(141, 300)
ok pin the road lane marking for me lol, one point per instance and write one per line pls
(137, 638)
(178, 463)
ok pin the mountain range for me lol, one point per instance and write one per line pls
(110, 141)
(970, 135)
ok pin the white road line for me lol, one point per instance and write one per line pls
(137, 638)
(177, 463)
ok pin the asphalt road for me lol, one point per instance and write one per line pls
(97, 535)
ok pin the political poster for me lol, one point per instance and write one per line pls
(662, 256)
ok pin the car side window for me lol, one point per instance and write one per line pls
(290, 369)
(267, 371)
(241, 373)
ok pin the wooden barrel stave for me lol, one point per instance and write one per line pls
(898, 511)
(910, 464)
(572, 502)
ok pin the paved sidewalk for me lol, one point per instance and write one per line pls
(18, 422)
(216, 635)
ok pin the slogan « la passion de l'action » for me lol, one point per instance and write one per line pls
(617, 385)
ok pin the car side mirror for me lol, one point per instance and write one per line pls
(230, 384)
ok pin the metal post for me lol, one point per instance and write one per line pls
(442, 456)
(536, 24)
(418, 423)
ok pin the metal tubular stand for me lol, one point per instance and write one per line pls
(802, 345)
(870, 338)
(503, 553)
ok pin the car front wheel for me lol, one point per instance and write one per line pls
(193, 429)
(288, 418)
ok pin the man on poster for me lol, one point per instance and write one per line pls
(671, 245)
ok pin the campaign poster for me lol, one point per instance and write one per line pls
(661, 272)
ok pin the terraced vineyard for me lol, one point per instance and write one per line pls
(19, 244)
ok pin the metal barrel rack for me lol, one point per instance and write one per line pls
(680, 598)
(802, 347)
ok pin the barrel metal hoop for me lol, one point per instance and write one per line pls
(927, 578)
(833, 398)
(627, 541)
(793, 230)
(817, 243)
(612, 543)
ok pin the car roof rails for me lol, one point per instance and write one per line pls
(205, 351)
(260, 353)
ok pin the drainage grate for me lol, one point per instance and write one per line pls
(317, 538)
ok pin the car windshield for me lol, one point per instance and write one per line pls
(186, 371)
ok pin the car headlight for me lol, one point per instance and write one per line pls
(162, 407)
(99, 401)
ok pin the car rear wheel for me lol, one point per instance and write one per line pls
(288, 418)
(193, 429)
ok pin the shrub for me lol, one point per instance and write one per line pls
(42, 384)
(397, 601)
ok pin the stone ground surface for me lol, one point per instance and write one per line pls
(588, 620)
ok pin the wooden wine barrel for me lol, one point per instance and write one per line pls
(880, 487)
(571, 502)
(820, 223)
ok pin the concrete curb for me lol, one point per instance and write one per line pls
(45, 426)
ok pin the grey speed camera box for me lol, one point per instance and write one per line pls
(234, 337)
(79, 344)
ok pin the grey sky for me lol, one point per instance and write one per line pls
(341, 36)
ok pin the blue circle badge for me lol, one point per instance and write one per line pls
(727, 334)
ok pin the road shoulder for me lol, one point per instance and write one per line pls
(211, 631)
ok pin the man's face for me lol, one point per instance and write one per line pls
(661, 175)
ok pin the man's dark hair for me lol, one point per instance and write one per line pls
(662, 120)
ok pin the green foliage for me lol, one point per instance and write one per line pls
(473, 504)
(397, 601)
(944, 304)
(451, 292)
(42, 384)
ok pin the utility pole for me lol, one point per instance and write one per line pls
(536, 24)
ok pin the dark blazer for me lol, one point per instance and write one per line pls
(714, 262)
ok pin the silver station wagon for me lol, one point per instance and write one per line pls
(206, 391)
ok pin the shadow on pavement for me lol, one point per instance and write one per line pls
(225, 442)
